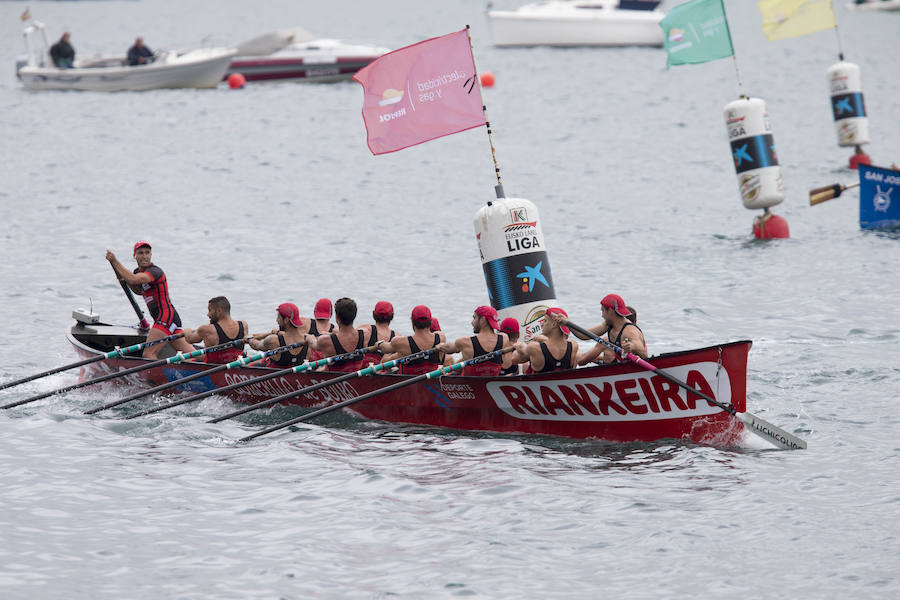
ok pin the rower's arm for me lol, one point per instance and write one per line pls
(597, 330)
(267, 343)
(132, 279)
(591, 355)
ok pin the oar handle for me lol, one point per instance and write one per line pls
(144, 324)
(823, 194)
(430, 375)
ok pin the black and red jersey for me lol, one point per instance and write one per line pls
(156, 295)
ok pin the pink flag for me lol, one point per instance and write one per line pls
(420, 92)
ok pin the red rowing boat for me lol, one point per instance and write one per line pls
(619, 402)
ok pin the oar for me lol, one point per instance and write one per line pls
(762, 428)
(312, 388)
(430, 375)
(144, 324)
(237, 363)
(93, 359)
(819, 195)
(177, 358)
(233, 386)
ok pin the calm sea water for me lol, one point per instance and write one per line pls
(269, 194)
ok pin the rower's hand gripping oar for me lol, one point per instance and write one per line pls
(764, 429)
(87, 361)
(322, 384)
(819, 195)
(240, 362)
(144, 324)
(239, 384)
(430, 375)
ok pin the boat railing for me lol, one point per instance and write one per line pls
(37, 58)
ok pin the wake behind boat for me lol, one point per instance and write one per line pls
(198, 68)
(584, 23)
(618, 402)
(296, 54)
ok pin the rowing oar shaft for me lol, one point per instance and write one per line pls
(762, 428)
(87, 361)
(208, 393)
(430, 375)
(237, 363)
(820, 195)
(312, 388)
(137, 309)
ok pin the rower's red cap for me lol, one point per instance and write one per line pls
(323, 309)
(289, 311)
(139, 244)
(383, 309)
(435, 326)
(554, 310)
(615, 302)
(489, 313)
(509, 325)
(421, 315)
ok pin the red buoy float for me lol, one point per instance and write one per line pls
(236, 81)
(487, 79)
(770, 226)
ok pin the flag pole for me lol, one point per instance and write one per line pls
(737, 69)
(499, 187)
(837, 34)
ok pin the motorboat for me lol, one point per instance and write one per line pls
(875, 5)
(619, 402)
(296, 54)
(579, 23)
(197, 68)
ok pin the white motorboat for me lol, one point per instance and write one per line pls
(198, 68)
(296, 54)
(579, 23)
(875, 5)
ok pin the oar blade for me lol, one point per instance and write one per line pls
(771, 433)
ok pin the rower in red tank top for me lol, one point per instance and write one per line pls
(347, 338)
(421, 339)
(383, 314)
(222, 328)
(320, 324)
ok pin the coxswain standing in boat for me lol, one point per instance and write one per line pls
(150, 281)
(380, 331)
(291, 330)
(346, 339)
(320, 324)
(550, 351)
(421, 339)
(510, 327)
(485, 340)
(221, 329)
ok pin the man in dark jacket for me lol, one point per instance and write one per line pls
(62, 53)
(139, 54)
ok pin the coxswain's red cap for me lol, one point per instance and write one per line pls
(289, 311)
(139, 244)
(489, 313)
(323, 309)
(509, 325)
(421, 315)
(558, 311)
(435, 326)
(383, 309)
(616, 303)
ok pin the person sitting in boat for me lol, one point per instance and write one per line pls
(347, 338)
(139, 54)
(320, 324)
(421, 339)
(550, 351)
(485, 340)
(620, 326)
(510, 327)
(381, 330)
(291, 330)
(222, 328)
(62, 53)
(150, 281)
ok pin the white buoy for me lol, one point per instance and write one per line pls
(753, 151)
(514, 258)
(847, 104)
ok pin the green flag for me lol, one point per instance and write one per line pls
(696, 32)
